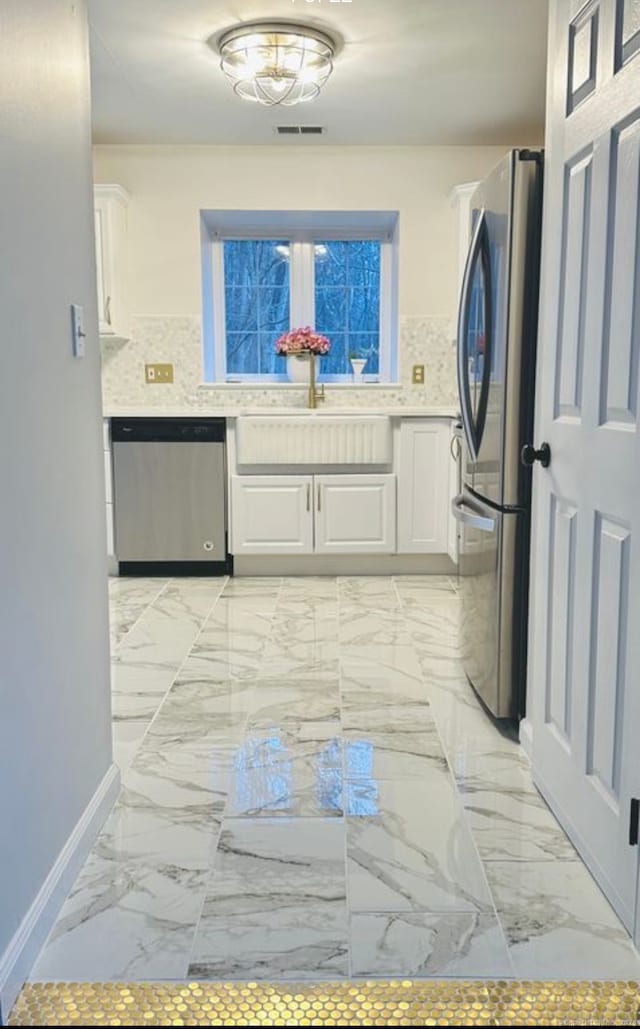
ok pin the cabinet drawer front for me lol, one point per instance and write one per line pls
(355, 514)
(272, 514)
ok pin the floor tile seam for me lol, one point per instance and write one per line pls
(142, 613)
(422, 909)
(345, 849)
(178, 580)
(439, 734)
(205, 894)
(186, 622)
(465, 818)
(242, 735)
(173, 681)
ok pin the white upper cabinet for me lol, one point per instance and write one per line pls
(425, 484)
(272, 514)
(110, 211)
(355, 514)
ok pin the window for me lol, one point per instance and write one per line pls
(262, 279)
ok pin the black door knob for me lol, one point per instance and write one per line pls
(529, 455)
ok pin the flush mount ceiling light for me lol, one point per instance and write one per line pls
(276, 63)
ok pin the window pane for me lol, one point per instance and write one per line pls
(331, 263)
(270, 362)
(367, 345)
(253, 262)
(347, 298)
(273, 310)
(364, 263)
(336, 362)
(240, 310)
(242, 352)
(364, 310)
(256, 287)
(331, 310)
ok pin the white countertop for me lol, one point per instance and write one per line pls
(236, 412)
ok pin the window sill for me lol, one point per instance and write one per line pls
(297, 385)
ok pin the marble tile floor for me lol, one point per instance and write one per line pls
(311, 791)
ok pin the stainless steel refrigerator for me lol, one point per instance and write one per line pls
(497, 330)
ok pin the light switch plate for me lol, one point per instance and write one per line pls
(417, 376)
(78, 334)
(158, 373)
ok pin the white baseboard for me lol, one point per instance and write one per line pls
(18, 958)
(525, 730)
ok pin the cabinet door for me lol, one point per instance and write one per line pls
(271, 514)
(355, 514)
(101, 269)
(110, 220)
(424, 487)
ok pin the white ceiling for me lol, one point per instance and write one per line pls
(410, 71)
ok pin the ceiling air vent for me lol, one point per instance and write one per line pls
(300, 130)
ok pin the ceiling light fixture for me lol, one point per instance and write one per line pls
(276, 63)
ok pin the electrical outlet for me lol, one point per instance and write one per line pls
(417, 376)
(158, 373)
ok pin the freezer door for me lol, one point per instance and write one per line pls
(489, 542)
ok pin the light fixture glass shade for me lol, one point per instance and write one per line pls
(276, 64)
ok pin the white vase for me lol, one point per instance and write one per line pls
(358, 365)
(298, 367)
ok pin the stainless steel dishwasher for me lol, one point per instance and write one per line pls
(169, 495)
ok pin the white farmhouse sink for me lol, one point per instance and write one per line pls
(306, 439)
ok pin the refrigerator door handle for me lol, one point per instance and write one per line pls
(463, 370)
(463, 513)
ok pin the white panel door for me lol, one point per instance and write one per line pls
(271, 514)
(355, 514)
(424, 484)
(584, 693)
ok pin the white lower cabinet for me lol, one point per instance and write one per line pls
(424, 486)
(355, 514)
(272, 514)
(307, 514)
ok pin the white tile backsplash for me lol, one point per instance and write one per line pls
(178, 340)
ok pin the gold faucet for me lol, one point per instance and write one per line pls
(314, 394)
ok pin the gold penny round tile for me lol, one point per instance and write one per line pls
(383, 1003)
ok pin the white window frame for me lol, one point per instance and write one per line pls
(302, 240)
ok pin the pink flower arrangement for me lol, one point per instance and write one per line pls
(300, 341)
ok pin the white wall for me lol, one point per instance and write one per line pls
(169, 185)
(55, 741)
